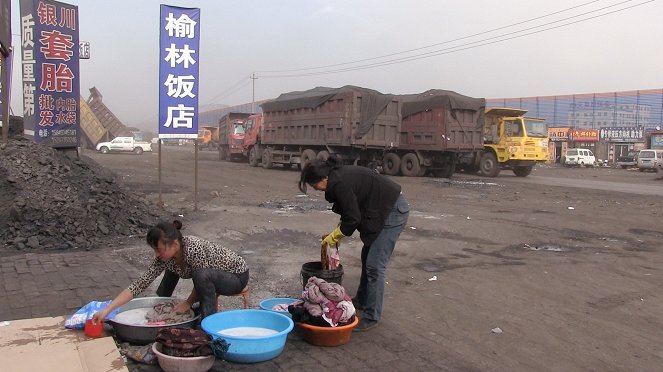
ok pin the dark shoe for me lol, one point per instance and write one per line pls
(357, 305)
(365, 325)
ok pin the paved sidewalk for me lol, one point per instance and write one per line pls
(50, 284)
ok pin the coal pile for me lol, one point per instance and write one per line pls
(53, 200)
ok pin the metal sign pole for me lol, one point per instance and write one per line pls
(4, 89)
(160, 201)
(195, 185)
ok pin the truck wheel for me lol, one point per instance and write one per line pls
(267, 159)
(308, 156)
(323, 155)
(410, 165)
(488, 165)
(253, 157)
(391, 164)
(138, 150)
(104, 150)
(523, 171)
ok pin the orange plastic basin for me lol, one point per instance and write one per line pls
(328, 336)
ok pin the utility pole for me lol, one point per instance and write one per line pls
(253, 97)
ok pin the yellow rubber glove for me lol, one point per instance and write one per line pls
(333, 238)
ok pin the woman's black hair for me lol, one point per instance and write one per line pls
(167, 232)
(317, 170)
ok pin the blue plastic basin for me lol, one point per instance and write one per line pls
(269, 303)
(250, 349)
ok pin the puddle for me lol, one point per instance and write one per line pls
(429, 267)
(547, 247)
(473, 183)
(296, 205)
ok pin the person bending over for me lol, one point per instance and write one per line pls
(371, 204)
(215, 270)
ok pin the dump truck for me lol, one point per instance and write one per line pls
(436, 127)
(510, 141)
(231, 130)
(356, 124)
(252, 139)
(208, 137)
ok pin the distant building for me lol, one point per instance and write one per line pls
(594, 115)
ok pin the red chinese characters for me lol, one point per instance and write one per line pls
(56, 45)
(46, 14)
(56, 78)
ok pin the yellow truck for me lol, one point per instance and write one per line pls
(511, 141)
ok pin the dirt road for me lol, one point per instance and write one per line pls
(566, 263)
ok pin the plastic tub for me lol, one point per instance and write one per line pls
(182, 364)
(268, 304)
(314, 268)
(328, 336)
(250, 349)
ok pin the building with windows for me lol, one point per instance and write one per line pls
(594, 115)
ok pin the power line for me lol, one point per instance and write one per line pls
(436, 44)
(227, 91)
(466, 46)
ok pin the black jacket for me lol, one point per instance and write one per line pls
(363, 198)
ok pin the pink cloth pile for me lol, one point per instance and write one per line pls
(327, 300)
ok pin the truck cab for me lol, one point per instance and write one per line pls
(231, 129)
(517, 142)
(252, 138)
(208, 137)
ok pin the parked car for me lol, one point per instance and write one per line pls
(650, 160)
(124, 144)
(628, 160)
(579, 158)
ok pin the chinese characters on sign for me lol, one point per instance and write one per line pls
(591, 105)
(622, 134)
(84, 49)
(584, 135)
(178, 72)
(50, 65)
(558, 134)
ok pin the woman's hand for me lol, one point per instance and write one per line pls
(182, 307)
(99, 316)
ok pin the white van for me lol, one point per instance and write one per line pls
(650, 160)
(579, 158)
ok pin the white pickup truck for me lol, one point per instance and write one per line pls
(124, 144)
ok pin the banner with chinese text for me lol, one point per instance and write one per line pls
(179, 39)
(558, 134)
(584, 135)
(50, 67)
(622, 134)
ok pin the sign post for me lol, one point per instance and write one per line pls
(179, 41)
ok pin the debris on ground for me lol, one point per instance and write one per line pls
(497, 330)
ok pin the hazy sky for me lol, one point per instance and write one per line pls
(619, 51)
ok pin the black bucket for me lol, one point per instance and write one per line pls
(314, 268)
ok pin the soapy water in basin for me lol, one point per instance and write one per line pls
(133, 316)
(247, 332)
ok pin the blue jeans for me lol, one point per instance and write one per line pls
(374, 260)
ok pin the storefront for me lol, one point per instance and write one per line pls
(558, 139)
(585, 139)
(619, 141)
